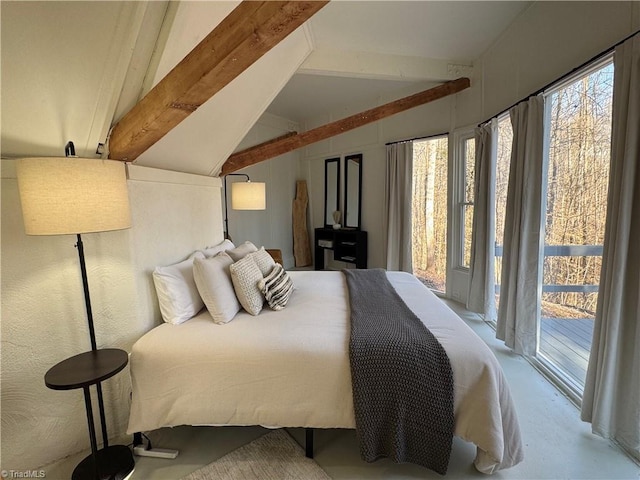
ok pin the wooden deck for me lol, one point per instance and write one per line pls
(566, 343)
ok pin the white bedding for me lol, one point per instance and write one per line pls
(290, 368)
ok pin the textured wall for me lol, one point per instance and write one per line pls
(43, 316)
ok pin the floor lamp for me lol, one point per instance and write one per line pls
(246, 195)
(70, 195)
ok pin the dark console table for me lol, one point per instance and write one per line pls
(347, 245)
(81, 371)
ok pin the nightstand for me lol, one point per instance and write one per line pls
(81, 371)
(347, 245)
(276, 254)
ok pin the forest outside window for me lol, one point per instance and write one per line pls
(466, 198)
(579, 123)
(429, 211)
(503, 163)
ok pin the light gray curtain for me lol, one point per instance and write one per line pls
(397, 206)
(518, 308)
(482, 270)
(611, 400)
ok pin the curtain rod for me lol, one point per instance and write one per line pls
(550, 84)
(426, 137)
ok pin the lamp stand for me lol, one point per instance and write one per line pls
(71, 195)
(100, 457)
(92, 333)
(87, 298)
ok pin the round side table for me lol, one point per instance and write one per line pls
(81, 371)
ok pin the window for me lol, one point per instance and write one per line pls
(429, 235)
(467, 158)
(503, 163)
(579, 122)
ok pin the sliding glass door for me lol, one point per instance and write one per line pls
(578, 124)
(579, 119)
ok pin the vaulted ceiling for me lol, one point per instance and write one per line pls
(363, 49)
(71, 70)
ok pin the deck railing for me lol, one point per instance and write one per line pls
(564, 343)
(564, 251)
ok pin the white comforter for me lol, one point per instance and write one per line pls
(291, 369)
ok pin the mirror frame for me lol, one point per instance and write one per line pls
(328, 208)
(347, 158)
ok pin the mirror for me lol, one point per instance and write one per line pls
(331, 189)
(352, 191)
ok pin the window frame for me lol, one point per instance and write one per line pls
(565, 381)
(459, 201)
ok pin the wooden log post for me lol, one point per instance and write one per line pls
(301, 242)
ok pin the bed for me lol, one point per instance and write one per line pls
(290, 368)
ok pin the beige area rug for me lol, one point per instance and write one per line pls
(274, 456)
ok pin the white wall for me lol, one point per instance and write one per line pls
(43, 313)
(65, 65)
(271, 228)
(214, 130)
(548, 40)
(429, 119)
(173, 214)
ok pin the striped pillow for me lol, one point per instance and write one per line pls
(276, 287)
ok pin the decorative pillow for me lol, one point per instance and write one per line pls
(277, 287)
(242, 251)
(177, 292)
(245, 276)
(264, 261)
(213, 280)
(216, 249)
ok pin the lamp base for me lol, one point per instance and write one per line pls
(114, 463)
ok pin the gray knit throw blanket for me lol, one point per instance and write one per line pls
(401, 377)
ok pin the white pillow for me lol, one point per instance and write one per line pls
(213, 280)
(177, 292)
(216, 249)
(242, 251)
(245, 276)
(277, 287)
(264, 261)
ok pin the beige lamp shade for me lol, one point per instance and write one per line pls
(248, 196)
(70, 195)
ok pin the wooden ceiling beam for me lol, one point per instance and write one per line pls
(245, 35)
(292, 141)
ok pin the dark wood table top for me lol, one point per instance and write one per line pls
(86, 369)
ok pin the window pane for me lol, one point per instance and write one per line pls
(577, 183)
(469, 168)
(468, 225)
(429, 235)
(466, 210)
(503, 161)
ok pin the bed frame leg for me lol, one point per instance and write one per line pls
(308, 442)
